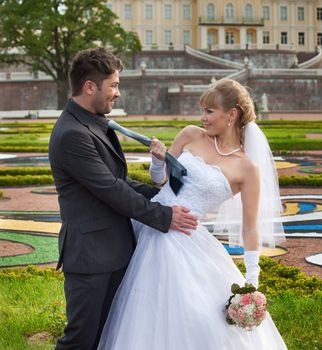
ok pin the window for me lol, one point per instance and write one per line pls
(229, 11)
(210, 11)
(319, 42)
(319, 13)
(186, 37)
(249, 37)
(283, 13)
(301, 37)
(300, 13)
(266, 13)
(109, 6)
(265, 37)
(211, 38)
(148, 11)
(167, 37)
(248, 11)
(148, 37)
(284, 38)
(127, 11)
(186, 11)
(229, 38)
(167, 11)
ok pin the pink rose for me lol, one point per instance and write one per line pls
(246, 299)
(259, 298)
(260, 313)
(240, 315)
(232, 313)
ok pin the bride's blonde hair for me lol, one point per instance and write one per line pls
(228, 94)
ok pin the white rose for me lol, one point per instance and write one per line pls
(249, 309)
(236, 299)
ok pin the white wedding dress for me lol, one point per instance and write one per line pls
(174, 292)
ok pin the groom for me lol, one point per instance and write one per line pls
(97, 199)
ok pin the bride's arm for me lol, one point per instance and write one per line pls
(158, 150)
(249, 196)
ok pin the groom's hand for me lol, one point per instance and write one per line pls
(182, 220)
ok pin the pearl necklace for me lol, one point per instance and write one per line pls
(225, 154)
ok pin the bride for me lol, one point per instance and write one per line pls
(174, 292)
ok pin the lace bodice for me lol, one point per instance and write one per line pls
(205, 187)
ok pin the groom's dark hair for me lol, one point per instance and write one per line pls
(92, 64)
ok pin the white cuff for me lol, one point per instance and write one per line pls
(251, 259)
(157, 170)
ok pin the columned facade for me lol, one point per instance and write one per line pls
(222, 24)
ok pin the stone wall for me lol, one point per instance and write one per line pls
(149, 93)
(290, 93)
(180, 59)
(33, 95)
(168, 60)
(282, 95)
(261, 58)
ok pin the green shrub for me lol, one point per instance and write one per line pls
(280, 279)
(25, 171)
(1, 194)
(9, 180)
(29, 272)
(294, 180)
(295, 144)
(140, 176)
(17, 149)
(21, 130)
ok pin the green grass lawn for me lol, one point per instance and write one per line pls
(32, 301)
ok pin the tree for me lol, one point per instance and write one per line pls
(46, 34)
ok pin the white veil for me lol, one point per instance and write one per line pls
(229, 217)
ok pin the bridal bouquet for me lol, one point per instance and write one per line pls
(246, 308)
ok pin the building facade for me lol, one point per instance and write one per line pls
(223, 24)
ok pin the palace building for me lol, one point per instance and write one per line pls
(223, 24)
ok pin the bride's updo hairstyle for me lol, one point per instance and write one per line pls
(228, 94)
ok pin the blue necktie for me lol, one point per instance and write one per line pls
(175, 168)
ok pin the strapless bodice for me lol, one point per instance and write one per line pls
(205, 187)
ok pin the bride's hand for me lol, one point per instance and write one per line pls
(158, 148)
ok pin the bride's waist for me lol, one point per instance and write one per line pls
(177, 201)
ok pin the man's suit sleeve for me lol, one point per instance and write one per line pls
(147, 191)
(82, 161)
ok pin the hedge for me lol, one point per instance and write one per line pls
(280, 279)
(25, 171)
(10, 180)
(17, 149)
(294, 180)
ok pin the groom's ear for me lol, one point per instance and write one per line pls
(89, 88)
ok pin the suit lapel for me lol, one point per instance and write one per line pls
(99, 133)
(79, 113)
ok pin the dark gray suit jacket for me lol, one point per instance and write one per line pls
(96, 197)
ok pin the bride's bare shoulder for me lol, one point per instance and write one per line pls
(192, 131)
(248, 167)
(187, 135)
